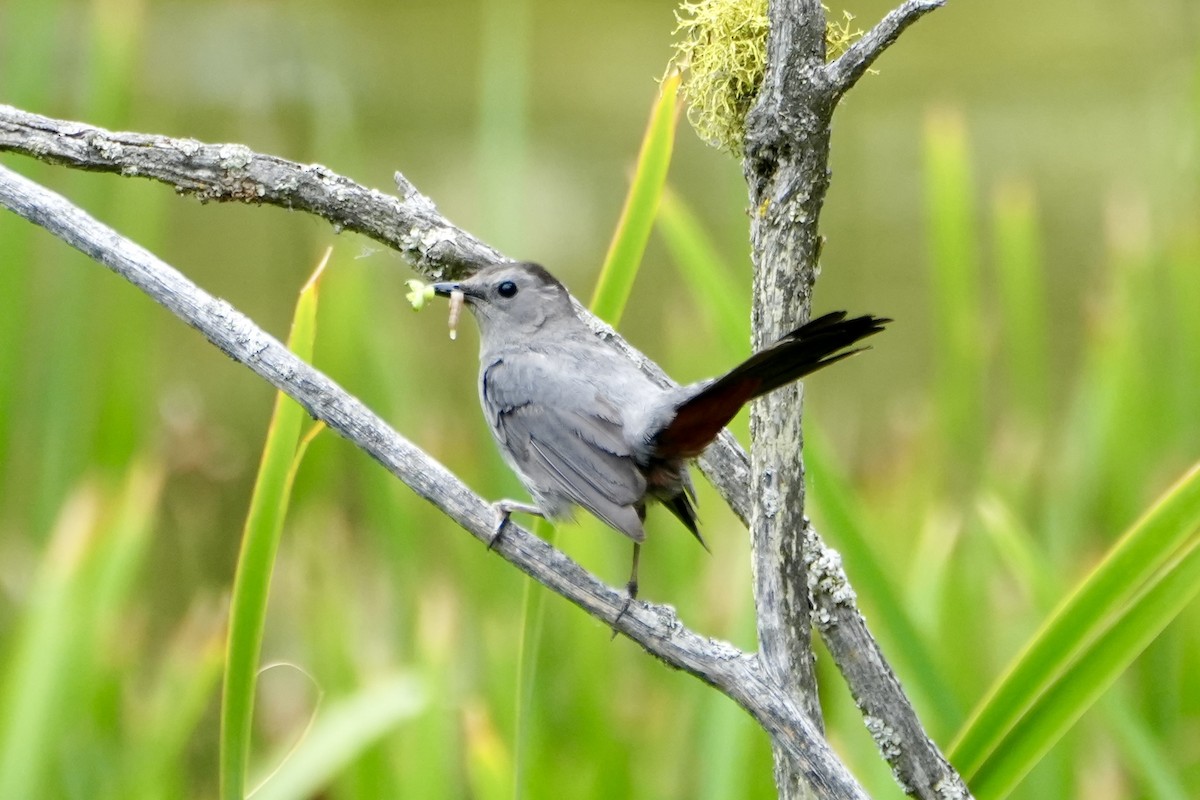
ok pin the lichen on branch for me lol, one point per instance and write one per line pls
(722, 45)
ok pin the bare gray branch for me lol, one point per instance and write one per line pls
(786, 152)
(785, 163)
(233, 172)
(845, 71)
(916, 762)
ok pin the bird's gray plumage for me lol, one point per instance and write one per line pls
(565, 438)
(582, 426)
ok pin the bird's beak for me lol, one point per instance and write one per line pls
(469, 292)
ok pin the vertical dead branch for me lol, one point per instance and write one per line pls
(786, 153)
(786, 166)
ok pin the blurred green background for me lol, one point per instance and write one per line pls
(1017, 187)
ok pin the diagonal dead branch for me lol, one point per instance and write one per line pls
(235, 173)
(656, 628)
(918, 765)
(845, 71)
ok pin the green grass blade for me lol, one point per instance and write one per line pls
(1030, 566)
(532, 619)
(1026, 563)
(176, 704)
(608, 302)
(641, 206)
(505, 56)
(339, 735)
(954, 261)
(488, 766)
(725, 737)
(123, 548)
(1065, 700)
(1022, 297)
(1073, 630)
(260, 541)
(45, 659)
(705, 274)
(1183, 286)
(75, 615)
(1147, 755)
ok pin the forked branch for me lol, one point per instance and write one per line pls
(845, 71)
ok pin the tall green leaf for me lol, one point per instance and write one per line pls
(1022, 297)
(46, 652)
(608, 302)
(1073, 656)
(260, 542)
(641, 206)
(954, 269)
(718, 293)
(1065, 699)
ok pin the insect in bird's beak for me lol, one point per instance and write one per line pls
(456, 304)
(421, 292)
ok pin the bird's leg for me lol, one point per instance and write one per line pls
(631, 587)
(503, 509)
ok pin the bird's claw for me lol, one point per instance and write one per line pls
(503, 509)
(502, 515)
(631, 590)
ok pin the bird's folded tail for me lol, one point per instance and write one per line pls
(810, 347)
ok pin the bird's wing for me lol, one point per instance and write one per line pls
(564, 439)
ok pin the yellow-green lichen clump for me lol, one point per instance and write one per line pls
(722, 45)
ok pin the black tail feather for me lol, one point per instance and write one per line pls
(816, 344)
(803, 351)
(681, 506)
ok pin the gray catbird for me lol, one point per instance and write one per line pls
(583, 426)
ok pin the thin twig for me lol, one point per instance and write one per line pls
(233, 172)
(851, 65)
(656, 628)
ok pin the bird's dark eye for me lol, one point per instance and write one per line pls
(507, 289)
